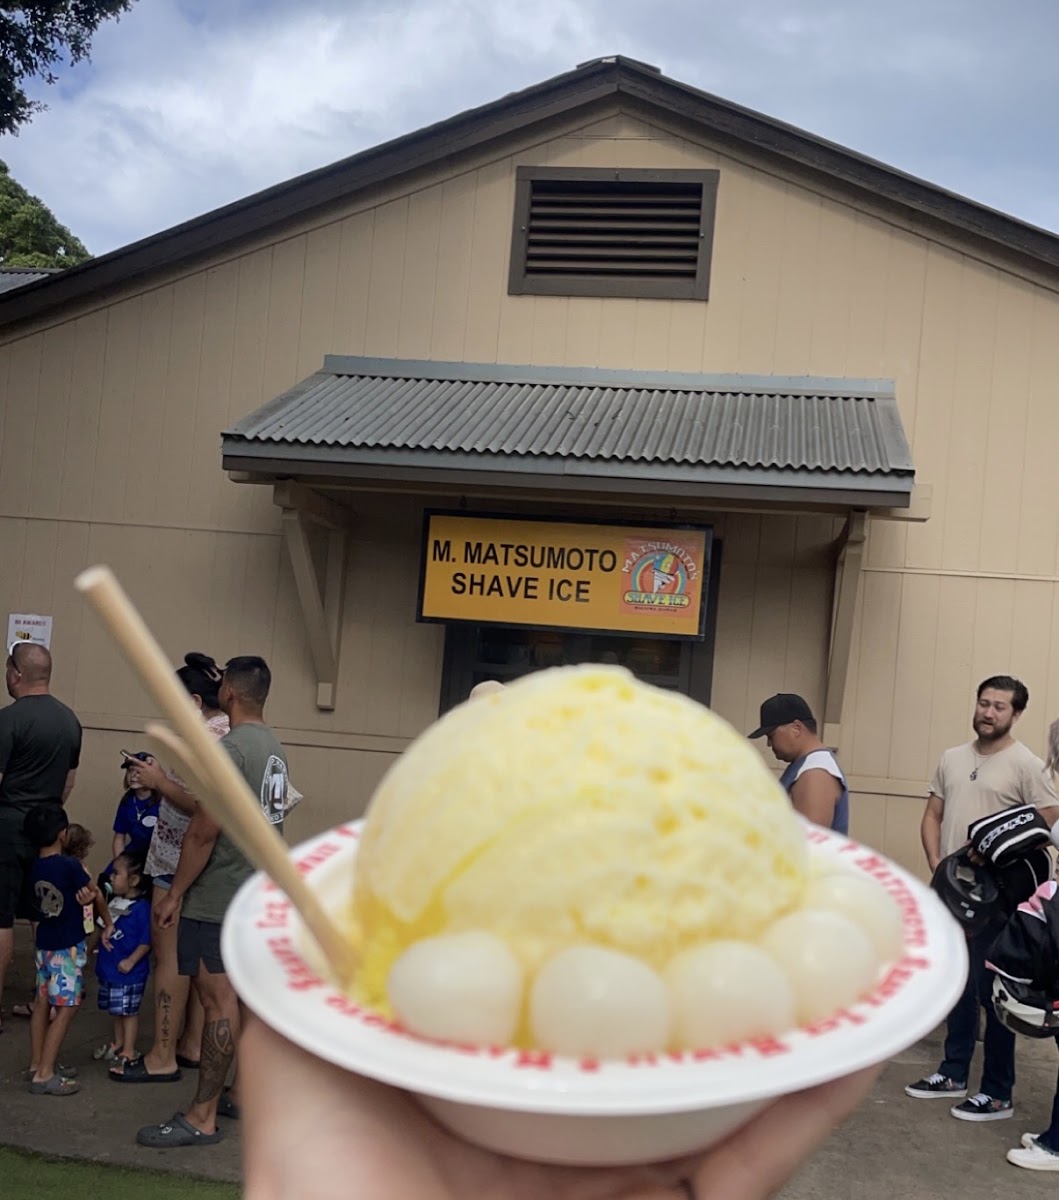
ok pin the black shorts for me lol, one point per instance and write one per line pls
(16, 892)
(199, 942)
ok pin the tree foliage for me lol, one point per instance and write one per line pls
(35, 35)
(30, 236)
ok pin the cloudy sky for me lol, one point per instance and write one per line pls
(189, 104)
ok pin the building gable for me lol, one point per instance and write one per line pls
(617, 81)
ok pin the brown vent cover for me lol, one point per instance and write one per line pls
(613, 233)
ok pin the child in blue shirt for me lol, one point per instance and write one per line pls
(137, 813)
(61, 887)
(122, 964)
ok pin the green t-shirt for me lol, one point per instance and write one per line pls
(261, 760)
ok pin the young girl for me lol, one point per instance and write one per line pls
(122, 964)
(79, 842)
(137, 815)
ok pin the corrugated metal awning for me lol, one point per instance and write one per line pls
(16, 277)
(840, 439)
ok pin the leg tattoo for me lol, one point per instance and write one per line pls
(218, 1050)
(165, 1006)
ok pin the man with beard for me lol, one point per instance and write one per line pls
(974, 780)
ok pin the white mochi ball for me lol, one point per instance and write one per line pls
(828, 959)
(725, 992)
(460, 987)
(866, 904)
(589, 1001)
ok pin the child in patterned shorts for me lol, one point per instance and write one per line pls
(61, 886)
(122, 964)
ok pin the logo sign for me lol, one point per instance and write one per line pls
(564, 574)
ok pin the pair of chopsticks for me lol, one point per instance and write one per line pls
(218, 786)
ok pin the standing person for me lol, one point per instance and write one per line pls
(813, 779)
(122, 964)
(137, 814)
(40, 749)
(178, 1015)
(79, 843)
(1025, 958)
(984, 776)
(59, 885)
(211, 871)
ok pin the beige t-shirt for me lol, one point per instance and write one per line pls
(1004, 780)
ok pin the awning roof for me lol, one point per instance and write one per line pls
(837, 441)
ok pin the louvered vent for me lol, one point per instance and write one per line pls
(614, 229)
(613, 234)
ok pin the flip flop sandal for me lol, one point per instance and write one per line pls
(22, 1010)
(56, 1086)
(177, 1131)
(60, 1069)
(136, 1072)
(189, 1064)
(227, 1107)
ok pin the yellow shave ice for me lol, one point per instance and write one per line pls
(575, 806)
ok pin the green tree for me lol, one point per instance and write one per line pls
(37, 34)
(30, 236)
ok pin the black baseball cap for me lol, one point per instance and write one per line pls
(130, 760)
(781, 709)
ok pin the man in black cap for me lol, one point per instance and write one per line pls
(813, 779)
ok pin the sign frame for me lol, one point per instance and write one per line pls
(706, 586)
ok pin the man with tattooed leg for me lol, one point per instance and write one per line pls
(210, 872)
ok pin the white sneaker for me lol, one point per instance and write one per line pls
(1029, 1140)
(1034, 1158)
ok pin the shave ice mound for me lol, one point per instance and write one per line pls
(590, 866)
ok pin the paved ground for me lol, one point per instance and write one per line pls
(892, 1147)
(100, 1122)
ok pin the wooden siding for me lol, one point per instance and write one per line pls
(109, 451)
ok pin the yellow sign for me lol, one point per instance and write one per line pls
(562, 575)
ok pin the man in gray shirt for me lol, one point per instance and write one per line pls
(210, 872)
(981, 777)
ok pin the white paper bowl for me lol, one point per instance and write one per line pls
(560, 1110)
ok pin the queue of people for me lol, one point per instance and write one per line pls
(992, 773)
(159, 906)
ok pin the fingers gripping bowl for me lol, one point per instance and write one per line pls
(590, 929)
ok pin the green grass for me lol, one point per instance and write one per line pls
(38, 1178)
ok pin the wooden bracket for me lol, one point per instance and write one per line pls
(321, 601)
(318, 508)
(849, 559)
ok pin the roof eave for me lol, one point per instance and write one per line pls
(743, 126)
(651, 480)
(314, 190)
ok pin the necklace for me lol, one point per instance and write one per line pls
(979, 759)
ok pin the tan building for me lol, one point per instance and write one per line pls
(692, 352)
